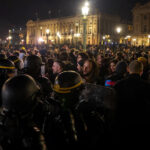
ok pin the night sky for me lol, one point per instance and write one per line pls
(18, 12)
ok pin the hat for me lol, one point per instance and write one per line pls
(142, 60)
(23, 48)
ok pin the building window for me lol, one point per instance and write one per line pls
(90, 31)
(145, 17)
(145, 28)
(136, 29)
(41, 32)
(137, 18)
(129, 28)
(77, 29)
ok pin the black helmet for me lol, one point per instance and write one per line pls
(19, 95)
(67, 81)
(3, 56)
(32, 65)
(6, 66)
(15, 60)
(33, 61)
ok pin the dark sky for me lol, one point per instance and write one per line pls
(18, 12)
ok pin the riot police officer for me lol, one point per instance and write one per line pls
(18, 129)
(16, 61)
(32, 66)
(72, 127)
(7, 70)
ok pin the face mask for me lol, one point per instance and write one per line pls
(43, 70)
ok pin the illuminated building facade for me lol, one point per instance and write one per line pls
(16, 36)
(70, 30)
(141, 25)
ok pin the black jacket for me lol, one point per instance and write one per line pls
(132, 119)
(20, 135)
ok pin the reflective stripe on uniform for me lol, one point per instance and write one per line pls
(16, 60)
(65, 90)
(4, 67)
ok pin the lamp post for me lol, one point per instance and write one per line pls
(119, 29)
(149, 39)
(134, 41)
(47, 34)
(40, 40)
(59, 36)
(9, 40)
(85, 11)
(104, 40)
(72, 36)
(128, 37)
(77, 35)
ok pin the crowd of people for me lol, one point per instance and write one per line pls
(65, 97)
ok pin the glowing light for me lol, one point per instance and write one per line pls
(104, 37)
(77, 35)
(58, 34)
(85, 9)
(9, 38)
(87, 4)
(40, 40)
(47, 31)
(119, 29)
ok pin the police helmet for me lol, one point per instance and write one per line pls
(3, 56)
(67, 81)
(33, 61)
(19, 95)
(15, 60)
(6, 66)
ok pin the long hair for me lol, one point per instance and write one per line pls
(93, 75)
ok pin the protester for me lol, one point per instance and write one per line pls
(132, 109)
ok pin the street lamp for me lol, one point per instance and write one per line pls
(77, 35)
(85, 11)
(47, 34)
(104, 40)
(119, 29)
(72, 35)
(40, 40)
(128, 38)
(134, 40)
(9, 38)
(104, 37)
(149, 39)
(59, 36)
